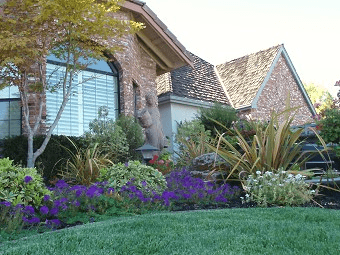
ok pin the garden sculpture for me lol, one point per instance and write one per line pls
(150, 120)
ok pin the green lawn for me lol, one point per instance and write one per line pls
(229, 231)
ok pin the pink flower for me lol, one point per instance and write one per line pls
(160, 162)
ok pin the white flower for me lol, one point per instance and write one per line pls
(298, 176)
(258, 172)
(247, 196)
(290, 175)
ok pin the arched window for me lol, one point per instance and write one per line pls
(10, 112)
(92, 88)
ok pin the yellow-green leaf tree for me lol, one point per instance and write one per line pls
(75, 31)
(320, 96)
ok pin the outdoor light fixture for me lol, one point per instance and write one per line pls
(147, 151)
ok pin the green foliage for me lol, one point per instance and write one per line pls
(134, 135)
(329, 126)
(119, 174)
(10, 219)
(50, 162)
(20, 185)
(273, 147)
(223, 114)
(281, 188)
(191, 139)
(109, 136)
(83, 167)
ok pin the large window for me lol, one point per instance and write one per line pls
(10, 112)
(96, 86)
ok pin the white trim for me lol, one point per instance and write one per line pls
(183, 100)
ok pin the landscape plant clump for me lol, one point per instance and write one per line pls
(280, 188)
(109, 136)
(20, 185)
(274, 146)
(119, 174)
(162, 163)
(84, 165)
(223, 114)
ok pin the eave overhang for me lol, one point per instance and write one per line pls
(156, 40)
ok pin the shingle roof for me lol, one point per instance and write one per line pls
(200, 82)
(243, 77)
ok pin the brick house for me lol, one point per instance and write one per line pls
(120, 84)
(255, 85)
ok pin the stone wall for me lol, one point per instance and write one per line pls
(274, 95)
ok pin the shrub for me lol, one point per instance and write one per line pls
(191, 138)
(162, 163)
(223, 114)
(273, 147)
(329, 127)
(144, 176)
(84, 165)
(134, 135)
(109, 136)
(281, 188)
(49, 163)
(20, 185)
(188, 189)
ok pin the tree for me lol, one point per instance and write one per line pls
(75, 31)
(320, 96)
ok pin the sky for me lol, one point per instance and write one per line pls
(222, 30)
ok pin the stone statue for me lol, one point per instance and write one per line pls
(150, 120)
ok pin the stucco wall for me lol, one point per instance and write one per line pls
(176, 110)
(274, 95)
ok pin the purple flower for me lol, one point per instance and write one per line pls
(44, 209)
(110, 190)
(126, 164)
(27, 179)
(144, 183)
(94, 191)
(31, 221)
(46, 198)
(29, 209)
(54, 211)
(76, 203)
(54, 222)
(60, 202)
(6, 203)
(61, 184)
(34, 220)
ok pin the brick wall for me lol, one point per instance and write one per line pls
(135, 67)
(274, 95)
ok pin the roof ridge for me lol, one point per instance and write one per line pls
(241, 78)
(254, 53)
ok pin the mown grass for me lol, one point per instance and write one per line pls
(228, 231)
